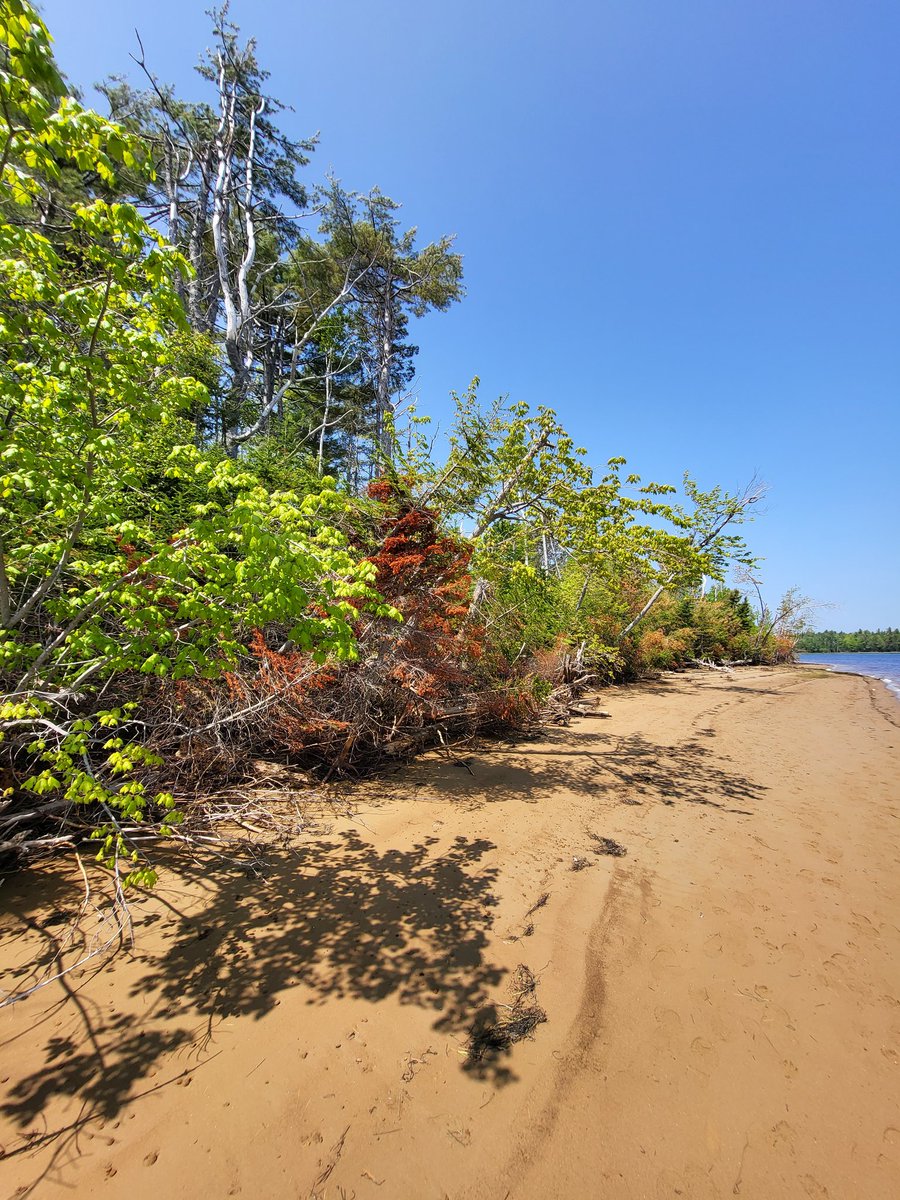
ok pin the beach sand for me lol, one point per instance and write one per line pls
(722, 1002)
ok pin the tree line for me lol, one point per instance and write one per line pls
(226, 533)
(832, 641)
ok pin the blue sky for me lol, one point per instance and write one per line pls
(680, 223)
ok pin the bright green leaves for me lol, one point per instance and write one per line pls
(70, 767)
(26, 44)
(517, 483)
(44, 130)
(89, 358)
(123, 548)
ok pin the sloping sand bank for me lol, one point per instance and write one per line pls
(722, 1002)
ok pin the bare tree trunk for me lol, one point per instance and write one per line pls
(199, 311)
(224, 141)
(235, 293)
(171, 176)
(583, 592)
(249, 223)
(650, 603)
(383, 431)
(353, 467)
(329, 363)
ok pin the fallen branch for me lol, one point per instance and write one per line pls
(708, 665)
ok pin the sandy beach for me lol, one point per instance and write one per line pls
(722, 1001)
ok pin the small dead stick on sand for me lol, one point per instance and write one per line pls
(333, 1160)
(539, 903)
(528, 928)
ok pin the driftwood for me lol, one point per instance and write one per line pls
(500, 1027)
(582, 710)
(563, 702)
(726, 667)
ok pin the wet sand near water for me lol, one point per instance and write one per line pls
(722, 1001)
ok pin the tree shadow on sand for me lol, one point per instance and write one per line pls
(344, 919)
(339, 917)
(687, 771)
(594, 762)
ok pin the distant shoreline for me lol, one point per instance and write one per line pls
(890, 685)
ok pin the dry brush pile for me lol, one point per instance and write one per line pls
(425, 679)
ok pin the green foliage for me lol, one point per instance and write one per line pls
(885, 641)
(173, 419)
(90, 392)
(718, 627)
(525, 611)
(123, 546)
(63, 771)
(559, 551)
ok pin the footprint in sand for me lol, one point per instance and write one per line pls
(705, 1050)
(814, 1189)
(150, 1159)
(780, 1019)
(668, 1021)
(866, 931)
(791, 958)
(837, 966)
(712, 947)
(782, 1137)
(664, 960)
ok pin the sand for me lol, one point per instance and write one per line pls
(722, 1002)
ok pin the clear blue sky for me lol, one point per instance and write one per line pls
(680, 223)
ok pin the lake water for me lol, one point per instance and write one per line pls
(885, 667)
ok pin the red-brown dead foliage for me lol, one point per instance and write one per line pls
(412, 682)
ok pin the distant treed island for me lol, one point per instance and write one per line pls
(226, 536)
(829, 640)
